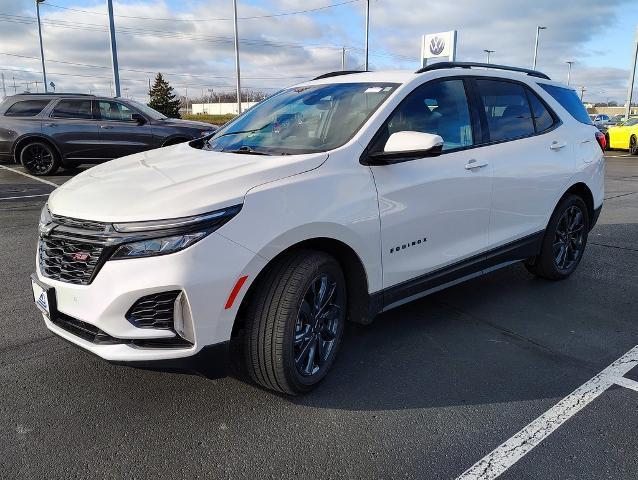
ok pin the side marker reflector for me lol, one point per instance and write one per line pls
(235, 291)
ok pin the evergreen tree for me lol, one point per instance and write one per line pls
(163, 99)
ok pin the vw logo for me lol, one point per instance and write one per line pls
(437, 45)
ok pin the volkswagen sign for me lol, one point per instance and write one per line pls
(438, 45)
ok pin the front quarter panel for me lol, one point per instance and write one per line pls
(337, 200)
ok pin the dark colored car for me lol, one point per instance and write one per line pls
(46, 131)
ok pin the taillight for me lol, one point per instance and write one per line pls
(602, 140)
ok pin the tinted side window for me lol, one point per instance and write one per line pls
(114, 111)
(569, 101)
(439, 108)
(26, 108)
(542, 117)
(73, 109)
(506, 108)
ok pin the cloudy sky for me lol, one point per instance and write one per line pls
(190, 41)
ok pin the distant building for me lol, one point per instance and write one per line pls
(219, 108)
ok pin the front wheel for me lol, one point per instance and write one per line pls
(39, 158)
(564, 242)
(295, 321)
(633, 145)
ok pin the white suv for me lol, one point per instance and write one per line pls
(333, 200)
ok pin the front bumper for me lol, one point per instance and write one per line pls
(205, 273)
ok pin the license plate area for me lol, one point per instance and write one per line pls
(44, 297)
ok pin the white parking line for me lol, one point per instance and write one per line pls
(510, 452)
(25, 196)
(30, 176)
(618, 156)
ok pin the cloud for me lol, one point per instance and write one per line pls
(196, 52)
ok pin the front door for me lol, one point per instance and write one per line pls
(435, 210)
(120, 135)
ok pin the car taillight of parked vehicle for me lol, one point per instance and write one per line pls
(602, 140)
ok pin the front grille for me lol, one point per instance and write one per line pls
(83, 224)
(66, 260)
(154, 311)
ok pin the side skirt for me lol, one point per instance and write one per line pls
(456, 273)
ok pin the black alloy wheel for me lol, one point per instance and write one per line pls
(39, 158)
(633, 145)
(295, 316)
(568, 238)
(564, 241)
(317, 325)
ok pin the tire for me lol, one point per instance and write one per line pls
(564, 241)
(39, 158)
(607, 144)
(283, 326)
(633, 145)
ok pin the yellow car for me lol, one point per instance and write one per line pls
(624, 136)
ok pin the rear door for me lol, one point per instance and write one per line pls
(532, 159)
(120, 135)
(73, 128)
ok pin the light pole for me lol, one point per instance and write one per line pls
(44, 72)
(632, 74)
(367, 32)
(569, 70)
(343, 58)
(582, 92)
(538, 29)
(237, 58)
(488, 54)
(116, 68)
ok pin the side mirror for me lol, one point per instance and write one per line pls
(407, 145)
(139, 118)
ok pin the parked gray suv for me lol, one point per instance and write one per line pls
(46, 131)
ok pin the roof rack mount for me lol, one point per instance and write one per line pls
(337, 73)
(442, 65)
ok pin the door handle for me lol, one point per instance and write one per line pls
(557, 145)
(472, 164)
(106, 127)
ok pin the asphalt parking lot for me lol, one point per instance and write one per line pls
(427, 391)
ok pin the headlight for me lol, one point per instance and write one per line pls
(45, 217)
(158, 246)
(161, 237)
(212, 219)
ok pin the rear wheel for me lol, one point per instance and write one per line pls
(564, 242)
(39, 158)
(295, 322)
(607, 144)
(633, 145)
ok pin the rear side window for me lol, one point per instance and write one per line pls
(569, 101)
(73, 109)
(507, 110)
(542, 117)
(26, 108)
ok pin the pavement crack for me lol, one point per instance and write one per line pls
(614, 246)
(621, 195)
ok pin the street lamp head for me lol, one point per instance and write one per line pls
(39, 1)
(539, 27)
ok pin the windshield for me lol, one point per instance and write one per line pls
(308, 119)
(148, 111)
(631, 122)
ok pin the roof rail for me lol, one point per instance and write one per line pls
(61, 94)
(336, 74)
(442, 65)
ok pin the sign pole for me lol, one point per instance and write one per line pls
(632, 74)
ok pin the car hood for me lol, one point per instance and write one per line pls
(171, 182)
(178, 122)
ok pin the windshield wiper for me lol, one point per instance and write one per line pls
(245, 131)
(246, 150)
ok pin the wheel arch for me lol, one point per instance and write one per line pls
(582, 190)
(21, 142)
(353, 270)
(175, 139)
